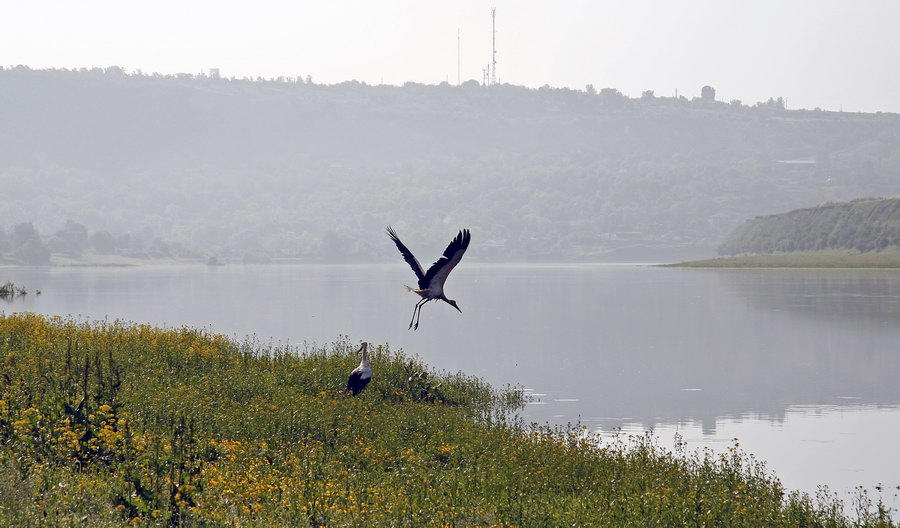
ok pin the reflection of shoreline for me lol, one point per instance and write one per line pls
(550, 407)
(826, 294)
(839, 446)
(755, 342)
(708, 426)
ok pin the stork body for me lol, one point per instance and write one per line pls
(361, 375)
(431, 282)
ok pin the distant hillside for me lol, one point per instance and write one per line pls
(863, 225)
(289, 168)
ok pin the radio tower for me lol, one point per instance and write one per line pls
(494, 45)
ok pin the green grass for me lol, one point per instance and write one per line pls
(116, 424)
(888, 258)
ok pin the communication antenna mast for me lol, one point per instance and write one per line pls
(494, 45)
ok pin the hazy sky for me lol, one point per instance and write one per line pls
(811, 52)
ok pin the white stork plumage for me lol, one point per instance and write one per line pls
(361, 375)
(431, 282)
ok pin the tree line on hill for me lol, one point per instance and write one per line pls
(862, 225)
(23, 244)
(291, 168)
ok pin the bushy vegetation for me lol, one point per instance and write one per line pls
(861, 225)
(289, 168)
(118, 424)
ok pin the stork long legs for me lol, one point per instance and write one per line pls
(416, 309)
(416, 326)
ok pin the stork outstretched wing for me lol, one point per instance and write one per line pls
(438, 272)
(407, 255)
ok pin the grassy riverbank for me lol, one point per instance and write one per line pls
(109, 425)
(888, 258)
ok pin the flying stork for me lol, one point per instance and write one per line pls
(431, 282)
(361, 375)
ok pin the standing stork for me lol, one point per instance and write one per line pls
(361, 375)
(431, 282)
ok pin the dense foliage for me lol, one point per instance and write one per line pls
(288, 168)
(24, 244)
(114, 425)
(862, 225)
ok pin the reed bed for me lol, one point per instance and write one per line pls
(9, 290)
(129, 425)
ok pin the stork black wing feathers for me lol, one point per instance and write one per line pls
(356, 383)
(451, 258)
(407, 255)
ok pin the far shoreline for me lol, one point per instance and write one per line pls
(826, 259)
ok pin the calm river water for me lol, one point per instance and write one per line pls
(803, 366)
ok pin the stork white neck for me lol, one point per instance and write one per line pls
(364, 363)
